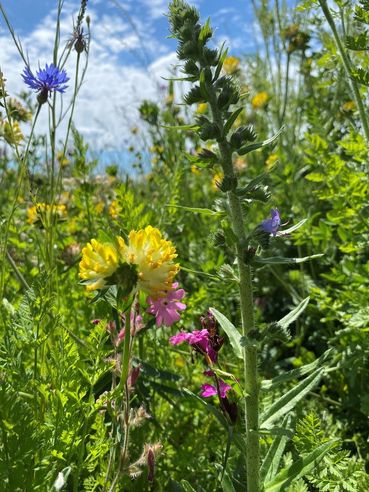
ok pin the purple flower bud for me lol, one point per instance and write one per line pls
(272, 225)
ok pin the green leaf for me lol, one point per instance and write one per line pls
(357, 43)
(181, 127)
(186, 486)
(297, 373)
(361, 76)
(273, 457)
(222, 56)
(231, 120)
(290, 399)
(280, 260)
(202, 211)
(249, 148)
(233, 334)
(205, 32)
(294, 227)
(294, 314)
(299, 468)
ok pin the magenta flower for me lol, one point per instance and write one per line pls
(210, 390)
(165, 309)
(199, 340)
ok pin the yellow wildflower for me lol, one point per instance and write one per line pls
(259, 100)
(99, 207)
(99, 262)
(153, 256)
(271, 160)
(11, 132)
(217, 178)
(202, 108)
(41, 211)
(231, 64)
(147, 260)
(349, 106)
(195, 169)
(114, 209)
(62, 159)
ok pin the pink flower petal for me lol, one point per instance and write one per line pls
(208, 390)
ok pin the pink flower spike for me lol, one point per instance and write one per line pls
(166, 308)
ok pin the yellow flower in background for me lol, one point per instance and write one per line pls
(63, 161)
(41, 211)
(99, 262)
(271, 160)
(114, 209)
(195, 169)
(259, 100)
(99, 207)
(202, 108)
(217, 178)
(153, 256)
(231, 64)
(11, 132)
(145, 263)
(349, 106)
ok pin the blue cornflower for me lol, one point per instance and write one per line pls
(272, 225)
(47, 79)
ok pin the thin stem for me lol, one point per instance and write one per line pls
(251, 389)
(348, 68)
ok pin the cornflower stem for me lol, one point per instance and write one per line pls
(251, 388)
(348, 68)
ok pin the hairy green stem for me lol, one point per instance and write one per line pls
(251, 388)
(348, 68)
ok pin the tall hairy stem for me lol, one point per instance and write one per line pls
(251, 387)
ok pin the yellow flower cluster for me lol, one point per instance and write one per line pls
(231, 64)
(41, 210)
(11, 133)
(146, 250)
(259, 100)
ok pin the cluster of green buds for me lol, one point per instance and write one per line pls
(203, 67)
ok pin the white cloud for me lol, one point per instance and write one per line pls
(107, 105)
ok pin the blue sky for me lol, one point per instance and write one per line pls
(130, 53)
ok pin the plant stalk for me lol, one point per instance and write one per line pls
(348, 68)
(251, 388)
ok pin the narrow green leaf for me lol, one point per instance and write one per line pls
(202, 211)
(273, 457)
(292, 228)
(290, 399)
(186, 486)
(231, 120)
(257, 145)
(182, 127)
(299, 468)
(281, 260)
(232, 332)
(294, 314)
(222, 56)
(297, 373)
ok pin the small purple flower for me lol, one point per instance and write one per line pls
(47, 80)
(210, 390)
(165, 309)
(272, 225)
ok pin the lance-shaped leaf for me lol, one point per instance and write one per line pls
(292, 228)
(232, 332)
(281, 260)
(298, 372)
(299, 468)
(258, 145)
(285, 322)
(201, 211)
(273, 457)
(182, 127)
(290, 399)
(231, 120)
